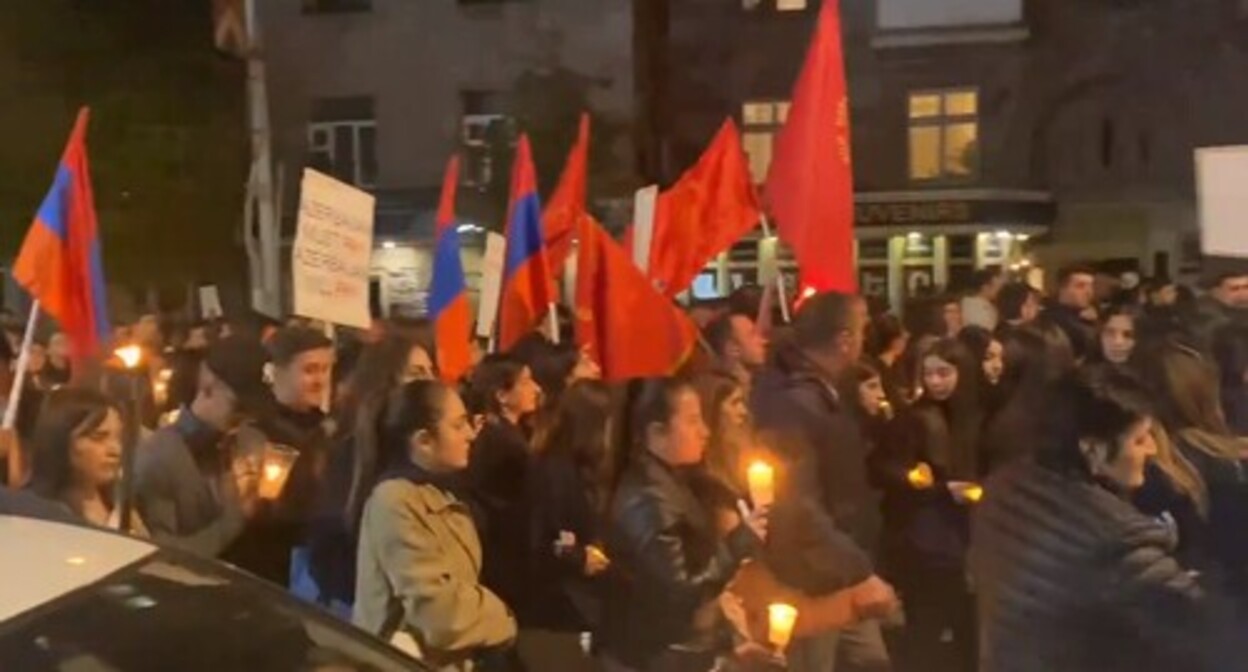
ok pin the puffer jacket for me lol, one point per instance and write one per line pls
(1071, 577)
(669, 565)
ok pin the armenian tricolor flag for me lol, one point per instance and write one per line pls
(448, 297)
(59, 263)
(528, 289)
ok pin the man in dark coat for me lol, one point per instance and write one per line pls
(823, 539)
(1074, 311)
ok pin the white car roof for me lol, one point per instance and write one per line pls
(43, 560)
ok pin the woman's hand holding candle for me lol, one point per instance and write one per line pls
(762, 481)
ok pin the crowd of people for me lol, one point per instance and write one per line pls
(999, 481)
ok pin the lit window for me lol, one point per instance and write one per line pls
(760, 122)
(790, 5)
(944, 134)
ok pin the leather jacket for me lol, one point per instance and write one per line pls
(669, 565)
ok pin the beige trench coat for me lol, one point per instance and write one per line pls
(417, 580)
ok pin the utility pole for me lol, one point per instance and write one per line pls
(263, 242)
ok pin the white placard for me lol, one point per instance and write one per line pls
(210, 303)
(644, 203)
(333, 250)
(1222, 191)
(491, 283)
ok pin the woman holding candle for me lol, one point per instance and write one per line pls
(569, 489)
(928, 468)
(77, 456)
(419, 555)
(670, 563)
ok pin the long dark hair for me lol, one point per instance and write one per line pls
(1186, 384)
(375, 378)
(408, 409)
(650, 401)
(68, 414)
(495, 374)
(723, 456)
(580, 431)
(963, 412)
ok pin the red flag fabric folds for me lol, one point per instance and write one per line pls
(528, 288)
(711, 207)
(60, 262)
(626, 325)
(448, 297)
(567, 204)
(810, 189)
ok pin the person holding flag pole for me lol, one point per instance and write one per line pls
(60, 266)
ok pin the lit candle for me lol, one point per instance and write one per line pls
(275, 465)
(762, 481)
(920, 476)
(780, 621)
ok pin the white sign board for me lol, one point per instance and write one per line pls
(644, 204)
(333, 250)
(1222, 192)
(210, 303)
(491, 283)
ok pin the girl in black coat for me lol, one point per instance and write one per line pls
(569, 485)
(497, 473)
(927, 467)
(669, 562)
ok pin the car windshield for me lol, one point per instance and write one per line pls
(168, 612)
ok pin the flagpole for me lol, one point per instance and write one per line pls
(553, 316)
(23, 363)
(16, 468)
(780, 289)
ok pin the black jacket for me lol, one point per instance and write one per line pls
(1080, 332)
(497, 471)
(266, 544)
(926, 527)
(823, 527)
(1071, 577)
(669, 565)
(561, 597)
(793, 399)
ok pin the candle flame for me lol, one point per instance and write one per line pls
(130, 355)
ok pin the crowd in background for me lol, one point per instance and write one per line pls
(998, 480)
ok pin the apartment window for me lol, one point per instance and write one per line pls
(778, 5)
(485, 130)
(336, 6)
(760, 122)
(342, 139)
(944, 134)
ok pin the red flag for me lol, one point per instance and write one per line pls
(810, 187)
(567, 204)
(60, 262)
(626, 325)
(528, 289)
(448, 298)
(711, 207)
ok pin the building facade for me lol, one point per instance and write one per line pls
(380, 93)
(1028, 134)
